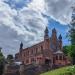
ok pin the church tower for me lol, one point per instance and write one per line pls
(20, 51)
(54, 39)
(46, 39)
(54, 35)
(21, 46)
(46, 34)
(60, 42)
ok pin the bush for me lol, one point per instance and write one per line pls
(69, 71)
(1, 69)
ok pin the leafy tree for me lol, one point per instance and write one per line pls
(1, 57)
(70, 52)
(72, 36)
(67, 50)
(73, 53)
(9, 58)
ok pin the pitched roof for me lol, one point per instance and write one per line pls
(58, 52)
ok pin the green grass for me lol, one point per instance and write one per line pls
(59, 71)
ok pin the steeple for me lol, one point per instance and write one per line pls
(53, 30)
(46, 39)
(54, 39)
(54, 34)
(60, 37)
(21, 46)
(60, 42)
(46, 34)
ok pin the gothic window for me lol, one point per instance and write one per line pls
(56, 57)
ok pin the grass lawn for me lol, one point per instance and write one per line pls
(59, 71)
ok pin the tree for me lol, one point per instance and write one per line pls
(73, 53)
(72, 35)
(67, 50)
(1, 62)
(9, 58)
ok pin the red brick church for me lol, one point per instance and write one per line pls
(49, 51)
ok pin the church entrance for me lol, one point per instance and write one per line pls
(47, 64)
(47, 61)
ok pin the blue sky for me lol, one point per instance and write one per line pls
(17, 4)
(26, 20)
(61, 29)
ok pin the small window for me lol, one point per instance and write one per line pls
(36, 50)
(27, 52)
(41, 47)
(60, 57)
(27, 61)
(31, 51)
(64, 58)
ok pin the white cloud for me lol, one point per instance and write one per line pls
(38, 5)
(60, 10)
(25, 25)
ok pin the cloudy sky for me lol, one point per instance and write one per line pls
(26, 20)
